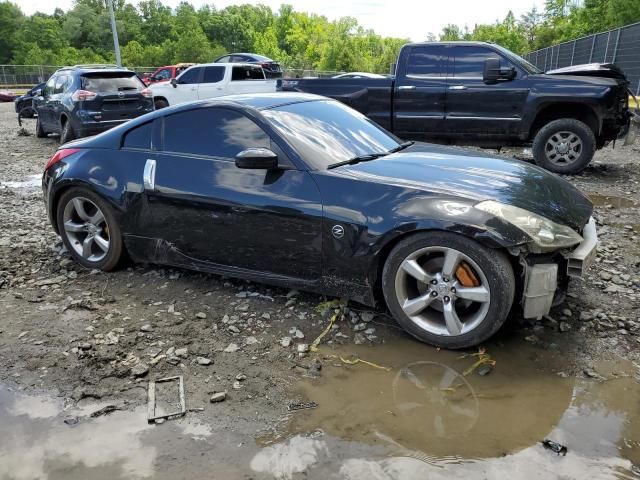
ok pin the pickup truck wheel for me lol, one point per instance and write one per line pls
(564, 146)
(160, 103)
(40, 133)
(448, 290)
(67, 132)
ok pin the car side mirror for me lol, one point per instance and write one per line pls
(257, 159)
(174, 82)
(493, 72)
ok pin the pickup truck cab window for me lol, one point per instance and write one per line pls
(213, 74)
(212, 132)
(427, 61)
(190, 76)
(164, 74)
(469, 61)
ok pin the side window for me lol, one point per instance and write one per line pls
(61, 82)
(48, 88)
(164, 74)
(239, 58)
(213, 74)
(190, 76)
(428, 61)
(469, 61)
(247, 73)
(214, 132)
(139, 137)
(225, 59)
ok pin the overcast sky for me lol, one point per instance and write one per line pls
(397, 18)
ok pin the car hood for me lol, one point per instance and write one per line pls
(605, 70)
(466, 174)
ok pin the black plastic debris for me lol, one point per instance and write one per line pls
(104, 411)
(301, 406)
(554, 447)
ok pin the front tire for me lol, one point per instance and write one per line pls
(89, 229)
(448, 290)
(564, 146)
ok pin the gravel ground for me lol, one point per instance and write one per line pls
(80, 333)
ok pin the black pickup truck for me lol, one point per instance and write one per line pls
(477, 93)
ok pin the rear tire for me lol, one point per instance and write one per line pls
(67, 133)
(160, 103)
(564, 146)
(89, 229)
(464, 293)
(40, 133)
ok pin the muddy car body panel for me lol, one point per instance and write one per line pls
(305, 224)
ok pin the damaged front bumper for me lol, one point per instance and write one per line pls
(543, 279)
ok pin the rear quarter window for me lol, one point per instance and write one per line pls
(247, 73)
(111, 83)
(139, 137)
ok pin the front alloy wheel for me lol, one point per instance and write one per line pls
(89, 229)
(448, 290)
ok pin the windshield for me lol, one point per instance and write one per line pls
(326, 132)
(104, 82)
(527, 66)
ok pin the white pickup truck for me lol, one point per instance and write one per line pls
(208, 80)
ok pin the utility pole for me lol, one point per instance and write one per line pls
(114, 30)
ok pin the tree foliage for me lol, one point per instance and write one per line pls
(153, 34)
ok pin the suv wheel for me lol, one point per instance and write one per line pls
(448, 290)
(40, 133)
(67, 132)
(564, 146)
(89, 229)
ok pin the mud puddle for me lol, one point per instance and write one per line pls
(36, 443)
(611, 201)
(425, 419)
(421, 418)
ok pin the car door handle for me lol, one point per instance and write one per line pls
(407, 87)
(149, 175)
(457, 87)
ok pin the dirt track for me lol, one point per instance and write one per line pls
(76, 333)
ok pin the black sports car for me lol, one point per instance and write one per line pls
(271, 68)
(24, 103)
(302, 191)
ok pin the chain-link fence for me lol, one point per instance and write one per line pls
(25, 76)
(620, 46)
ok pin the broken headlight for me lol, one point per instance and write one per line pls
(546, 235)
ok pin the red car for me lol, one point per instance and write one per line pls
(7, 96)
(164, 74)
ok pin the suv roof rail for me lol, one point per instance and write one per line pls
(91, 65)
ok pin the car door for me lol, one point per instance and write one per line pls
(474, 107)
(212, 82)
(212, 212)
(186, 87)
(55, 101)
(419, 97)
(43, 106)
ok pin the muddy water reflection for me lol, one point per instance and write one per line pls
(433, 422)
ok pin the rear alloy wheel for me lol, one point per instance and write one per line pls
(89, 230)
(67, 133)
(448, 290)
(564, 146)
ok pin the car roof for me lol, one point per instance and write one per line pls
(254, 55)
(450, 42)
(214, 64)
